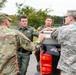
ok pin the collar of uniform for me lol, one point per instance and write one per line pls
(45, 26)
(22, 28)
(3, 27)
(73, 23)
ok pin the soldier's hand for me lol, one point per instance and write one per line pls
(47, 29)
(50, 29)
(41, 36)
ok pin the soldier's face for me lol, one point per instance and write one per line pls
(48, 22)
(7, 23)
(68, 19)
(23, 22)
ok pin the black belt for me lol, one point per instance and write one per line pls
(22, 50)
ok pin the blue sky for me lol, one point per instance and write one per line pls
(59, 7)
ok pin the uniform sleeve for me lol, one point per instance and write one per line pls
(40, 28)
(25, 43)
(35, 32)
(54, 34)
(71, 60)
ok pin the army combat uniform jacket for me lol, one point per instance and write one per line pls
(66, 36)
(10, 40)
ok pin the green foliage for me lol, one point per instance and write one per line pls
(58, 19)
(2, 3)
(12, 27)
(36, 18)
(14, 21)
(35, 38)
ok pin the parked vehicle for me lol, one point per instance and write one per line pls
(49, 55)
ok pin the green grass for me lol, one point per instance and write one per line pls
(34, 38)
(12, 27)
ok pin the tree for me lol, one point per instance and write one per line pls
(58, 20)
(2, 3)
(36, 18)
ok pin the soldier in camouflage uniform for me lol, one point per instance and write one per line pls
(24, 55)
(10, 40)
(66, 36)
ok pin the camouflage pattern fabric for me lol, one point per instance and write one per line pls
(66, 36)
(67, 73)
(4, 16)
(10, 40)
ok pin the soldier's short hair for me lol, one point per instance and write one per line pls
(23, 16)
(71, 13)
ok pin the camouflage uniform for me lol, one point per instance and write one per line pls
(24, 55)
(10, 40)
(66, 36)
